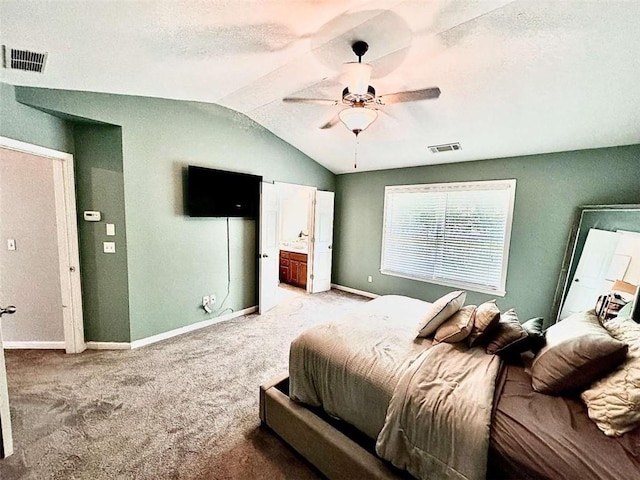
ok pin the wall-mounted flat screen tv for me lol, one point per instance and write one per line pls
(218, 193)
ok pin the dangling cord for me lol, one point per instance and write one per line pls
(355, 159)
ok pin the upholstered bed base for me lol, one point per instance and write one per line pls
(330, 447)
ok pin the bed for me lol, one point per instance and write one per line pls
(344, 378)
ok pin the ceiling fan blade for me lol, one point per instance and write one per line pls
(409, 96)
(330, 123)
(318, 101)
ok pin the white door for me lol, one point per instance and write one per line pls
(40, 257)
(322, 242)
(268, 254)
(591, 272)
(6, 439)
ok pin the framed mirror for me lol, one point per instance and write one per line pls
(603, 248)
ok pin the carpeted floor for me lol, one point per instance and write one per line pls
(185, 408)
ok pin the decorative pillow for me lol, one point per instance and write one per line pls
(509, 337)
(457, 327)
(613, 402)
(578, 351)
(535, 339)
(486, 319)
(441, 310)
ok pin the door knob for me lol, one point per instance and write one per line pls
(10, 310)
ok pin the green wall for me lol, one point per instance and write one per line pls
(100, 186)
(26, 124)
(549, 188)
(174, 260)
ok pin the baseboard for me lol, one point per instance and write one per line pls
(354, 290)
(108, 346)
(9, 345)
(190, 328)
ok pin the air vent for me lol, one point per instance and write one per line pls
(25, 60)
(447, 147)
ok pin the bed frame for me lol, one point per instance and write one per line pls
(339, 452)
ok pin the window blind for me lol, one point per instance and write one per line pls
(455, 234)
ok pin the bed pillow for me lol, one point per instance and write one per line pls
(509, 337)
(485, 321)
(535, 339)
(578, 351)
(613, 402)
(457, 327)
(441, 310)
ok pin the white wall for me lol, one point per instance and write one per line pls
(29, 276)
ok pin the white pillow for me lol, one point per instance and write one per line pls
(441, 310)
(613, 402)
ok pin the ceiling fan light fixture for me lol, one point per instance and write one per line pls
(357, 118)
(357, 77)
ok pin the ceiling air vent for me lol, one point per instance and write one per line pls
(447, 147)
(25, 60)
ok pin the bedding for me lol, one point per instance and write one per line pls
(578, 351)
(358, 367)
(613, 402)
(449, 388)
(538, 436)
(350, 367)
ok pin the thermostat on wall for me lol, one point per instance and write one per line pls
(90, 216)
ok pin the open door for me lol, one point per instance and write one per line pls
(268, 254)
(6, 439)
(322, 242)
(45, 264)
(590, 274)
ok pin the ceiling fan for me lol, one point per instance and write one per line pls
(363, 104)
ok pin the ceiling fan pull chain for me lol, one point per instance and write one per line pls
(355, 159)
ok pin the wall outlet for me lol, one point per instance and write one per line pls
(109, 247)
(205, 300)
(369, 279)
(212, 299)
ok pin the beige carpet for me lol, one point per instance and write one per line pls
(185, 408)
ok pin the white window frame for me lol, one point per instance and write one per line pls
(509, 184)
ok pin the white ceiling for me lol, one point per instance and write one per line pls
(517, 77)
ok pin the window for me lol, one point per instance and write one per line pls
(454, 234)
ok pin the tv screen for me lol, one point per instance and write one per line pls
(218, 193)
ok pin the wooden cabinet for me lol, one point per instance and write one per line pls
(293, 268)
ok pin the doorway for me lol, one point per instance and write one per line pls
(39, 248)
(296, 234)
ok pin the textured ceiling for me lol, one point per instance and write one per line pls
(517, 77)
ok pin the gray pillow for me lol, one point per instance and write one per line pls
(440, 311)
(578, 351)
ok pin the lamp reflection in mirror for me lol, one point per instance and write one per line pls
(357, 118)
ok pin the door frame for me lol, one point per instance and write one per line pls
(67, 229)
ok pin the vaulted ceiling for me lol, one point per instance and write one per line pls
(517, 77)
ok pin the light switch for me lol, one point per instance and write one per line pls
(111, 229)
(109, 247)
(11, 243)
(92, 216)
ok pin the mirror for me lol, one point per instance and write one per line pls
(603, 247)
